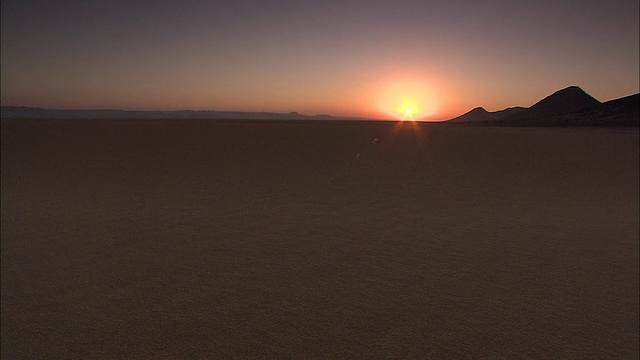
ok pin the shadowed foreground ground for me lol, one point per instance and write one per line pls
(166, 240)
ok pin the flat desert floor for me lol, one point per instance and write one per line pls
(195, 239)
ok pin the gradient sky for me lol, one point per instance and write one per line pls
(351, 58)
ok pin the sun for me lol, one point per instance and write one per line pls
(408, 109)
(407, 99)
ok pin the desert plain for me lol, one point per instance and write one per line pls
(142, 239)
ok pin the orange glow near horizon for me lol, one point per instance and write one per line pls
(407, 100)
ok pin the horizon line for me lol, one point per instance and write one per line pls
(289, 113)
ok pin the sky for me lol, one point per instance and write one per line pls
(345, 58)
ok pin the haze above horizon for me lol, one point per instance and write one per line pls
(375, 59)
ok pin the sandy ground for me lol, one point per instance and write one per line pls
(194, 239)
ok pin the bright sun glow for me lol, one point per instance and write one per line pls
(408, 109)
(408, 100)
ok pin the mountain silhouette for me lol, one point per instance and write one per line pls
(508, 112)
(563, 101)
(618, 112)
(477, 114)
(570, 106)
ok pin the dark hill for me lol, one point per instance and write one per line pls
(508, 112)
(567, 107)
(628, 106)
(563, 101)
(477, 114)
(619, 112)
(480, 114)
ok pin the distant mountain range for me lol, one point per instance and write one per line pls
(571, 106)
(24, 112)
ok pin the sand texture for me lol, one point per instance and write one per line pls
(194, 239)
